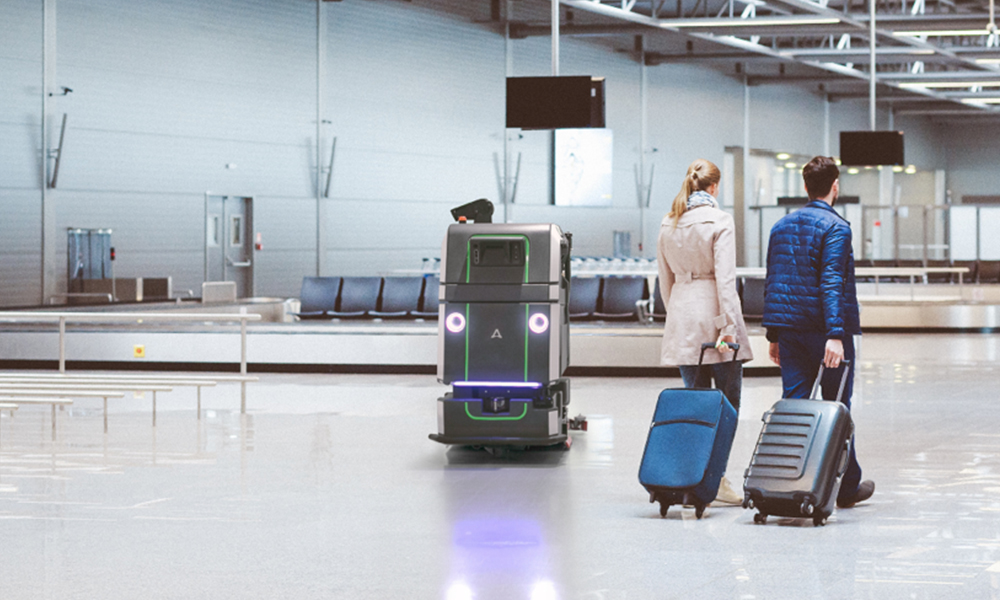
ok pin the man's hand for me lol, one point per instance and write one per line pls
(774, 354)
(834, 353)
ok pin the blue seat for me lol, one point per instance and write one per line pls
(619, 296)
(753, 297)
(969, 277)
(938, 277)
(358, 297)
(318, 297)
(429, 299)
(908, 263)
(584, 293)
(400, 297)
(988, 271)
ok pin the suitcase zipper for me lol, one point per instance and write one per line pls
(689, 421)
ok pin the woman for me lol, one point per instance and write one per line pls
(696, 258)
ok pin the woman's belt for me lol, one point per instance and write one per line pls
(689, 277)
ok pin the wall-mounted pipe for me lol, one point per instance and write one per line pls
(871, 72)
(58, 153)
(329, 169)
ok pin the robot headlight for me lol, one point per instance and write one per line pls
(455, 322)
(538, 323)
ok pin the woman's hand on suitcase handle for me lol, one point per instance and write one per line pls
(834, 353)
(774, 353)
(724, 342)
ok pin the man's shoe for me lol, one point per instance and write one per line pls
(865, 491)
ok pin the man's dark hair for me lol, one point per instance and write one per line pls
(819, 175)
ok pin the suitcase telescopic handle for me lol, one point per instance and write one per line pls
(707, 345)
(843, 381)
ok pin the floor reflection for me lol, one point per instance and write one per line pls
(329, 488)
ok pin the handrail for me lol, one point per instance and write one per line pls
(70, 316)
(109, 298)
(96, 317)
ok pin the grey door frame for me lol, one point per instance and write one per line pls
(249, 232)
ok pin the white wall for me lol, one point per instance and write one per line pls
(168, 93)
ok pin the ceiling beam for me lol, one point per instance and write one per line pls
(884, 98)
(972, 112)
(928, 22)
(755, 80)
(653, 59)
(938, 76)
(525, 30)
(835, 72)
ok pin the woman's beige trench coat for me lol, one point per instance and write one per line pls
(697, 268)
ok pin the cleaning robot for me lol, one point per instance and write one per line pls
(503, 332)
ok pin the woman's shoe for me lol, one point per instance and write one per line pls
(727, 495)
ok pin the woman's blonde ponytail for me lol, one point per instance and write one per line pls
(701, 175)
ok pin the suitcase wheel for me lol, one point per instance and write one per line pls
(807, 508)
(819, 521)
(760, 518)
(699, 510)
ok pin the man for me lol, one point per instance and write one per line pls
(811, 305)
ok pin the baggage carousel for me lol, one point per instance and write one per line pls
(278, 342)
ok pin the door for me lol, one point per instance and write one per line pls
(228, 242)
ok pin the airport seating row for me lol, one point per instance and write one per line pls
(593, 298)
(368, 297)
(749, 289)
(610, 298)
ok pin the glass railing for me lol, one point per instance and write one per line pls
(909, 233)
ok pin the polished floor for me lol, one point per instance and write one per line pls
(329, 488)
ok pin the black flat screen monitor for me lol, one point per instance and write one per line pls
(555, 102)
(864, 148)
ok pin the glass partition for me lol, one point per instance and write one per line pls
(963, 229)
(909, 227)
(898, 234)
(899, 219)
(989, 221)
(937, 233)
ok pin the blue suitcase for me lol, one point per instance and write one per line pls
(688, 446)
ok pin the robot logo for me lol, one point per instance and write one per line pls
(496, 335)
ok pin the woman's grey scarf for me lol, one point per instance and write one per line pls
(700, 198)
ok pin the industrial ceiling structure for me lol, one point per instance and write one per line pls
(939, 58)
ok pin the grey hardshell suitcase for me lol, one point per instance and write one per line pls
(801, 455)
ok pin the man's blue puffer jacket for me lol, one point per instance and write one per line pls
(810, 274)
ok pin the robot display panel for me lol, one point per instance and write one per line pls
(497, 260)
